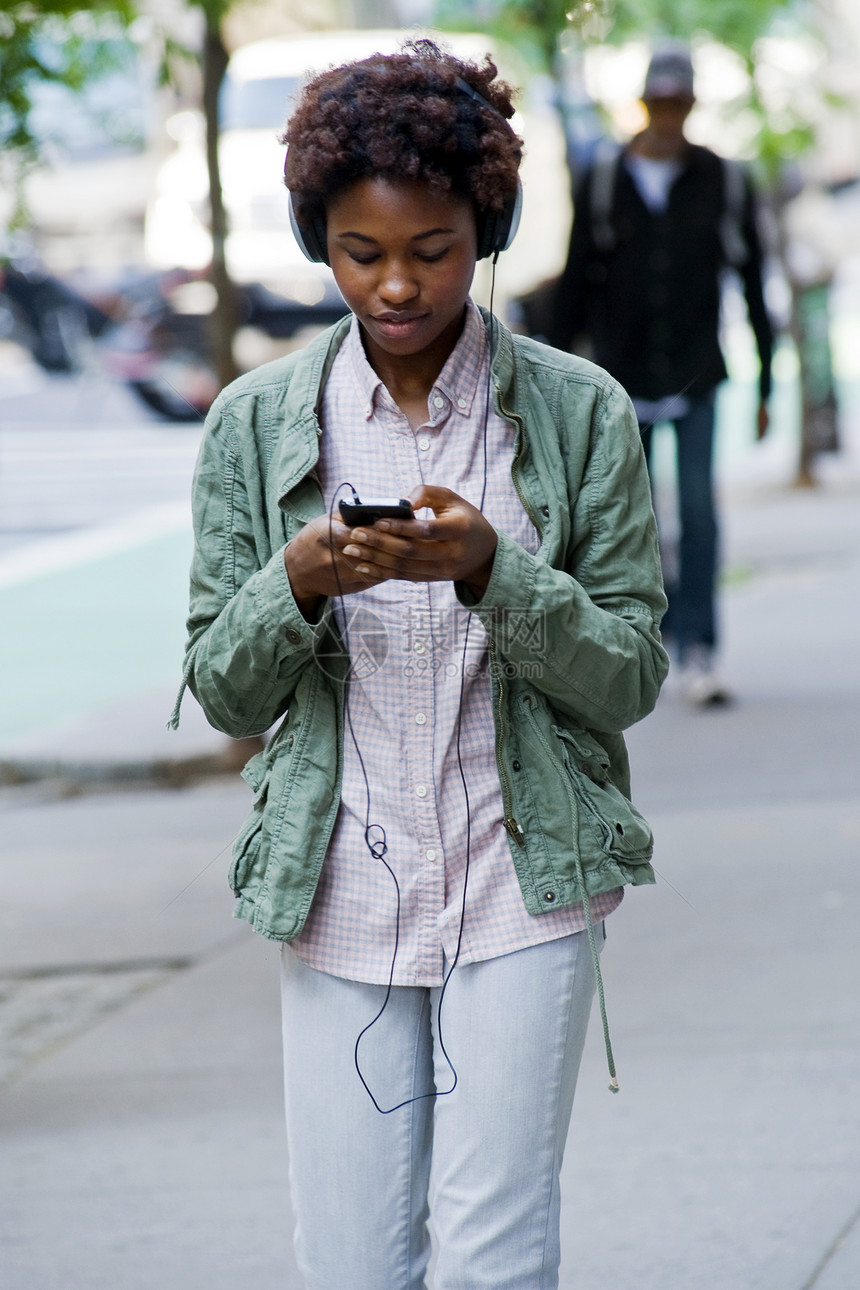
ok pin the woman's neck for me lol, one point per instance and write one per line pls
(409, 378)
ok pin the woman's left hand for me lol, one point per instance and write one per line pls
(457, 545)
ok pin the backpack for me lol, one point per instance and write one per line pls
(604, 173)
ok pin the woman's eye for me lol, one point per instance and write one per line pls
(431, 259)
(362, 259)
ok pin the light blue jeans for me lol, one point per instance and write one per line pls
(362, 1183)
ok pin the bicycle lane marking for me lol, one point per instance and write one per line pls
(92, 617)
(58, 555)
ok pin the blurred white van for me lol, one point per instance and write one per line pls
(260, 86)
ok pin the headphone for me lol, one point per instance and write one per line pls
(496, 229)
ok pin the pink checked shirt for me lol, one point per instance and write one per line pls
(407, 642)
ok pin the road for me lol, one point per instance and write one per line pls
(77, 453)
(141, 1120)
(94, 535)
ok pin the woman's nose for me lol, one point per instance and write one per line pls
(397, 284)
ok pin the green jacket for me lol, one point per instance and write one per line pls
(575, 653)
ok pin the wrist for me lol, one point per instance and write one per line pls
(307, 599)
(478, 579)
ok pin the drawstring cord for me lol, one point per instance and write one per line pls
(589, 927)
(173, 720)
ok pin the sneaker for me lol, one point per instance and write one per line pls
(702, 685)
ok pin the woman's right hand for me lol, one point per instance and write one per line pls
(317, 567)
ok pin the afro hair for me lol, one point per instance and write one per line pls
(420, 114)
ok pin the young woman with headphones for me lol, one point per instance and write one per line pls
(442, 820)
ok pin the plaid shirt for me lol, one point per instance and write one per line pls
(409, 730)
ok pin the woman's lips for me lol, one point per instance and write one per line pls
(398, 325)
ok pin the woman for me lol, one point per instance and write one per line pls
(441, 821)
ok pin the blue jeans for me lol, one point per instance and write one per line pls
(361, 1181)
(691, 618)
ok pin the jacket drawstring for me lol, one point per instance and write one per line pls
(595, 957)
(173, 719)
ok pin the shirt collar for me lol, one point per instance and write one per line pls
(458, 379)
(367, 383)
(456, 383)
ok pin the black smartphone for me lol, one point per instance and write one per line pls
(375, 508)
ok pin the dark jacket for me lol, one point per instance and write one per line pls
(649, 303)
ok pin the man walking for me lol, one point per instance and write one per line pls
(656, 225)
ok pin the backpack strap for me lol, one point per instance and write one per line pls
(734, 243)
(604, 172)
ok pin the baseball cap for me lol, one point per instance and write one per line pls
(670, 74)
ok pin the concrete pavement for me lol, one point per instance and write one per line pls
(141, 1123)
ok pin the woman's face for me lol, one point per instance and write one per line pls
(403, 257)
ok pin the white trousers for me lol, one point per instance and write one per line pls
(485, 1160)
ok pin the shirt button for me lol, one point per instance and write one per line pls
(420, 718)
(431, 854)
(461, 403)
(420, 790)
(368, 410)
(420, 647)
(423, 444)
(438, 402)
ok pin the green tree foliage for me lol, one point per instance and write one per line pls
(735, 23)
(53, 42)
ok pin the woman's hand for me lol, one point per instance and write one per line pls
(318, 567)
(457, 545)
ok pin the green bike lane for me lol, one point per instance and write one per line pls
(88, 624)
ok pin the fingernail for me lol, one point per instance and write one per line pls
(352, 550)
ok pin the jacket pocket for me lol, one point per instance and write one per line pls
(619, 829)
(246, 847)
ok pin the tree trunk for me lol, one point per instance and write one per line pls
(225, 316)
(810, 328)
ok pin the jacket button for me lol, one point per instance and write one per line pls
(544, 510)
(293, 636)
(516, 765)
(549, 897)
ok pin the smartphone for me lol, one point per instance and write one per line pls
(375, 508)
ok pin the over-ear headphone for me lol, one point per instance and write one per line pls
(496, 229)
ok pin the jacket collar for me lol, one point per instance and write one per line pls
(298, 451)
(501, 349)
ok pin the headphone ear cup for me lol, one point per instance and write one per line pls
(497, 229)
(310, 237)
